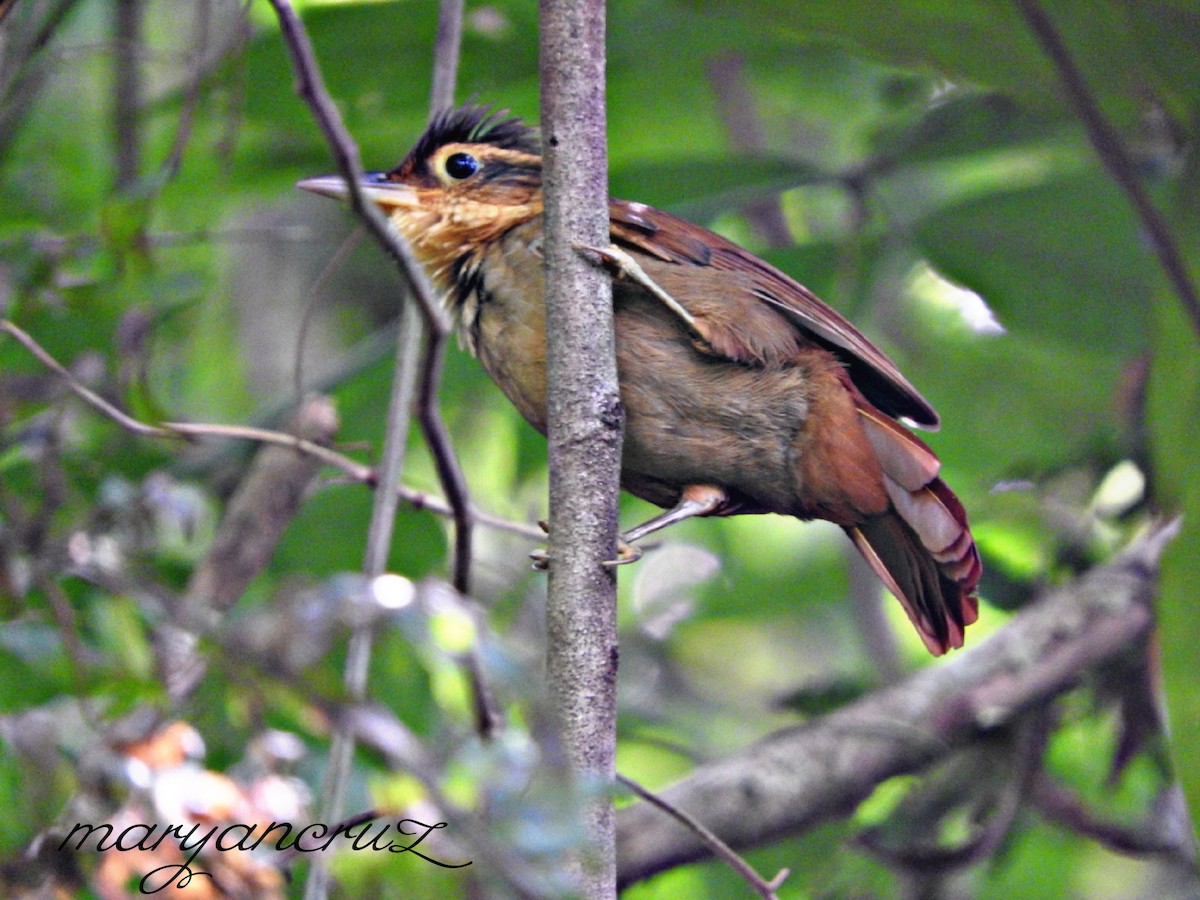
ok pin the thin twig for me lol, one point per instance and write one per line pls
(719, 848)
(127, 91)
(22, 75)
(450, 474)
(1061, 805)
(1114, 156)
(82, 391)
(488, 718)
(201, 33)
(311, 88)
(353, 469)
(356, 470)
(441, 97)
(378, 543)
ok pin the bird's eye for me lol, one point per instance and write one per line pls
(461, 165)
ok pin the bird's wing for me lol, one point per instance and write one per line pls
(670, 239)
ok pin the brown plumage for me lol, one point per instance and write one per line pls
(765, 401)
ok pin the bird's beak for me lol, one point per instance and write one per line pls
(374, 186)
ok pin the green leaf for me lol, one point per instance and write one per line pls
(1172, 404)
(34, 664)
(1061, 260)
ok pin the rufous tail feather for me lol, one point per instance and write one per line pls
(922, 547)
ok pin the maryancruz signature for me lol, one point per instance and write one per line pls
(312, 838)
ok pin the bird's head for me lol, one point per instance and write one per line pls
(471, 177)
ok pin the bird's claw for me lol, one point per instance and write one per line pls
(626, 553)
(541, 556)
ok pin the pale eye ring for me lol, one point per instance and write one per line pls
(460, 166)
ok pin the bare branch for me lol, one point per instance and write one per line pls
(127, 91)
(1061, 805)
(1114, 156)
(21, 73)
(80, 390)
(584, 412)
(352, 469)
(199, 40)
(445, 56)
(450, 474)
(793, 780)
(311, 88)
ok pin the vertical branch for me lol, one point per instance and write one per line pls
(419, 315)
(421, 309)
(201, 35)
(127, 90)
(450, 474)
(445, 56)
(583, 411)
(379, 541)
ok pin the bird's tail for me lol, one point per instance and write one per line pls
(921, 548)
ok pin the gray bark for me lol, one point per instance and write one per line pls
(584, 413)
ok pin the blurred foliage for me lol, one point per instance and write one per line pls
(934, 183)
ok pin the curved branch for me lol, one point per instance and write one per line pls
(795, 779)
(404, 388)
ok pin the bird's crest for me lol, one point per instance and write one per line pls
(472, 124)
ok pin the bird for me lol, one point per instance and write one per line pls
(743, 392)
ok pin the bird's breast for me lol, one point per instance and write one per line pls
(504, 319)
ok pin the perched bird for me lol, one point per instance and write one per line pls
(743, 392)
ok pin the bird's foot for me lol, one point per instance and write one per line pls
(626, 553)
(541, 556)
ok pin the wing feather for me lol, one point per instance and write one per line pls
(667, 238)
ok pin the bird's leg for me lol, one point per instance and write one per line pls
(696, 500)
(628, 268)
